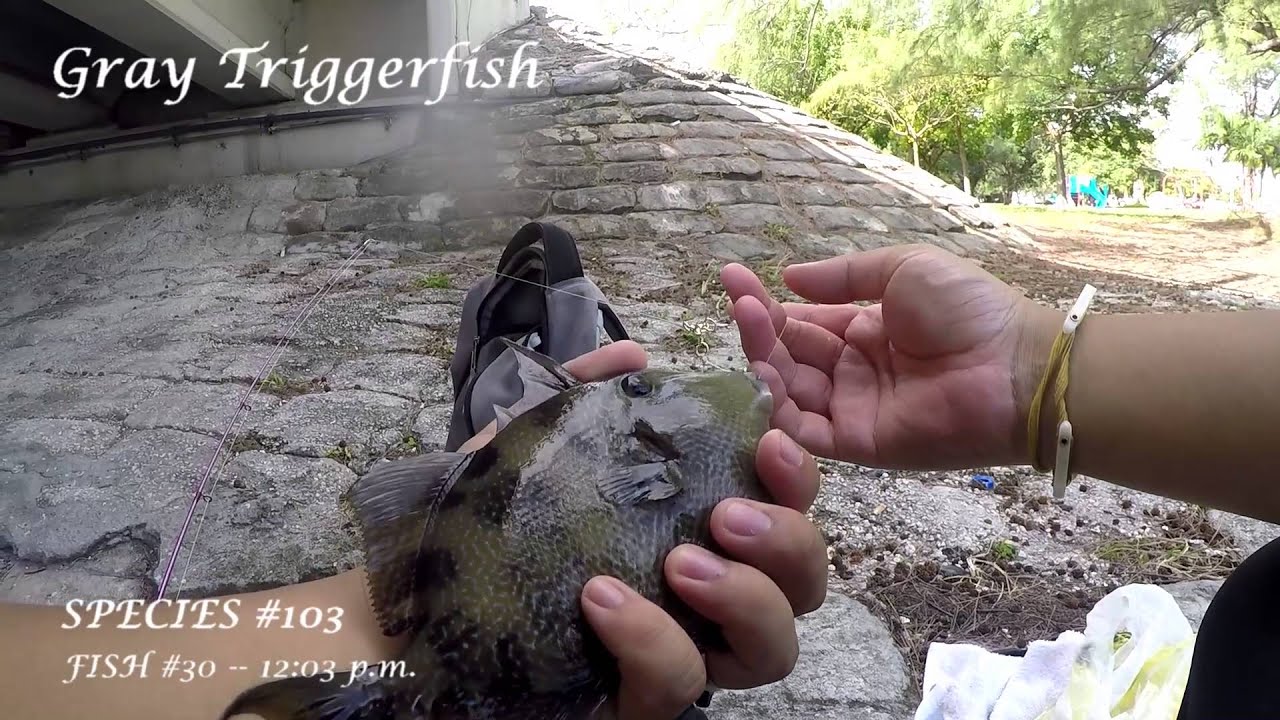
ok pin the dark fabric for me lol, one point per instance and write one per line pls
(537, 297)
(1235, 668)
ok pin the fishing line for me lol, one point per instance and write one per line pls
(198, 492)
(198, 489)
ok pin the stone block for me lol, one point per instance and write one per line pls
(867, 195)
(590, 84)
(673, 222)
(664, 113)
(709, 129)
(553, 106)
(943, 219)
(358, 213)
(669, 97)
(847, 173)
(480, 203)
(748, 218)
(562, 136)
(482, 232)
(970, 243)
(433, 208)
(595, 116)
(301, 218)
(975, 217)
(734, 247)
(402, 180)
(558, 177)
(633, 151)
(589, 101)
(902, 219)
(267, 218)
(409, 235)
(332, 242)
(788, 168)
(639, 131)
(316, 186)
(777, 150)
(592, 227)
(903, 196)
(802, 193)
(603, 199)
(685, 195)
(842, 218)
(706, 147)
(556, 155)
(636, 172)
(734, 113)
(736, 168)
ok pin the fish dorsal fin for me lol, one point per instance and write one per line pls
(636, 484)
(394, 507)
(534, 368)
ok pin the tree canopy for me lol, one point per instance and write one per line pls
(1003, 95)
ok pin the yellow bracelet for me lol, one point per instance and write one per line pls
(1059, 355)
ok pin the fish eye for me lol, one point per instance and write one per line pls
(636, 386)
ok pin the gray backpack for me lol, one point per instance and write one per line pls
(538, 298)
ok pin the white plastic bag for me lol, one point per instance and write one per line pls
(1076, 676)
(1142, 678)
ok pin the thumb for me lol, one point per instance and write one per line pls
(662, 670)
(854, 277)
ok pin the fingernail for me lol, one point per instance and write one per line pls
(605, 593)
(742, 519)
(699, 564)
(790, 451)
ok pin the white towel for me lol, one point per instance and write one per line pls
(966, 682)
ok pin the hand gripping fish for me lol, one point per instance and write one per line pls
(481, 557)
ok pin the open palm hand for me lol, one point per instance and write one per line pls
(927, 376)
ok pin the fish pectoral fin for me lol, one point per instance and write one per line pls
(635, 484)
(534, 368)
(394, 507)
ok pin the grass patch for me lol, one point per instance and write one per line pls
(777, 232)
(286, 387)
(408, 446)
(434, 281)
(1188, 548)
(696, 336)
(252, 440)
(441, 343)
(1084, 218)
(341, 452)
(1004, 550)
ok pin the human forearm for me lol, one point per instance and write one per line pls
(1183, 405)
(42, 666)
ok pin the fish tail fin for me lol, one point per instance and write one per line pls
(313, 698)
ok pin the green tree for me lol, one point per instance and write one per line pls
(787, 47)
(1252, 142)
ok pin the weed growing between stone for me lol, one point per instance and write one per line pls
(433, 281)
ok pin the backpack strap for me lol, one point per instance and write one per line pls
(562, 259)
(538, 296)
